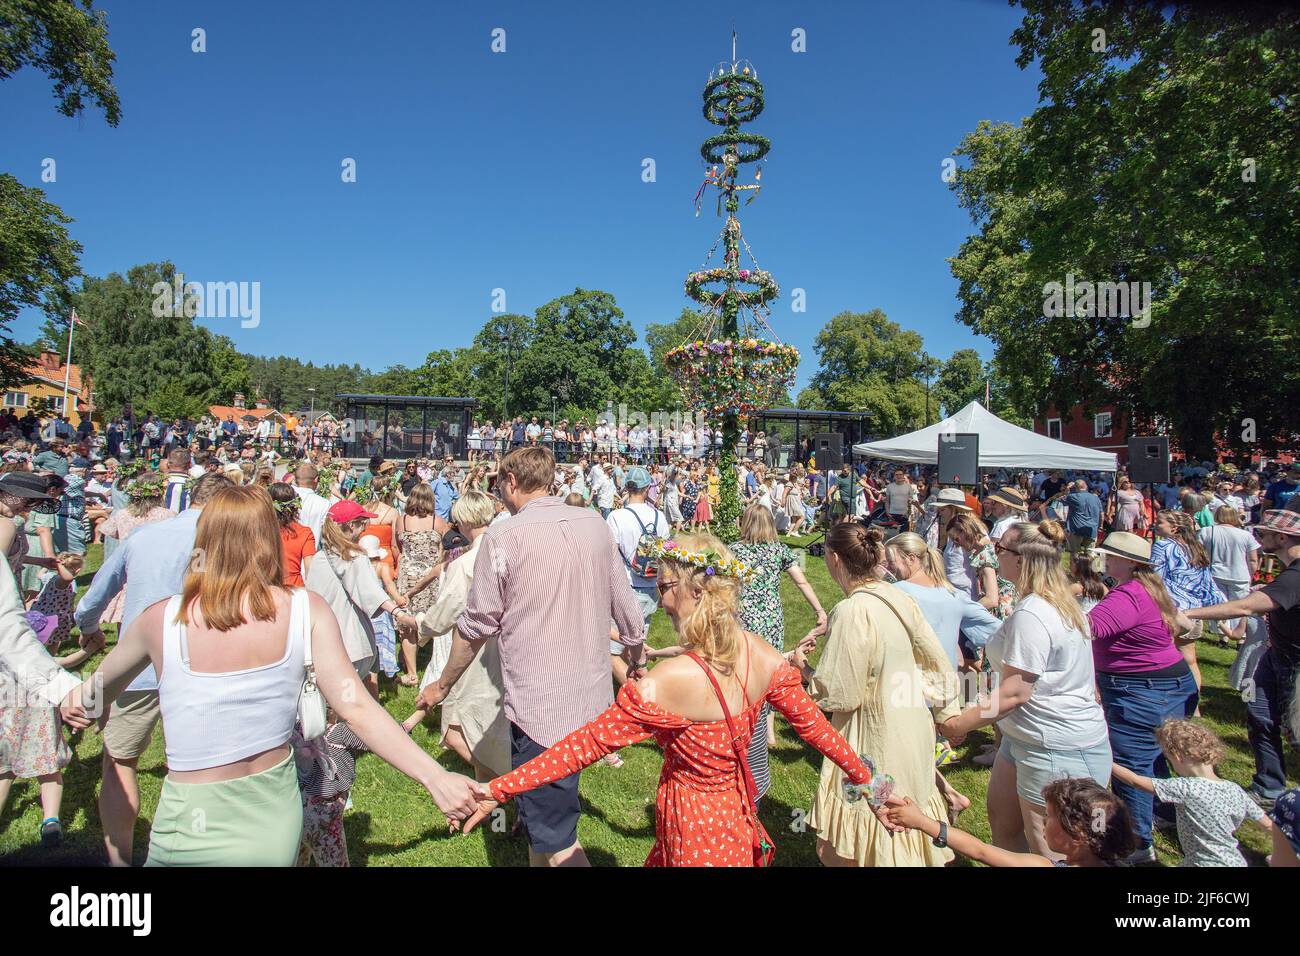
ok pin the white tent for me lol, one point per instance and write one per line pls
(1002, 445)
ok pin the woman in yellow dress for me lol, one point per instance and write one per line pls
(881, 672)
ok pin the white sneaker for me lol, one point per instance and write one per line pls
(1146, 854)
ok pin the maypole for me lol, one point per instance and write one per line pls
(736, 373)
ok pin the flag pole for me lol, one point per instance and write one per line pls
(67, 372)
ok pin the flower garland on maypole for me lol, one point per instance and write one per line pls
(736, 374)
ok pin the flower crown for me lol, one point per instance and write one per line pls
(710, 562)
(287, 507)
(151, 486)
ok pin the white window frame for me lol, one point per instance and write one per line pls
(15, 403)
(56, 403)
(1058, 434)
(1096, 425)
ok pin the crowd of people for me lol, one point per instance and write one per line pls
(250, 597)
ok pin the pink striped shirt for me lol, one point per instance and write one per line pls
(546, 584)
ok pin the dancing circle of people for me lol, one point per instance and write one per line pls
(243, 605)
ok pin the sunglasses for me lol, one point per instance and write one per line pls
(665, 586)
(1004, 550)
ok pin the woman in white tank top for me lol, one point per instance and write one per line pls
(231, 655)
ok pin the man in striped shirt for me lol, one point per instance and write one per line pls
(176, 497)
(546, 585)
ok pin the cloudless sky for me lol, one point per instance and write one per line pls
(519, 170)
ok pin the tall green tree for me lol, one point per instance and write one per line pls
(960, 381)
(1163, 151)
(140, 351)
(38, 264)
(68, 42)
(866, 363)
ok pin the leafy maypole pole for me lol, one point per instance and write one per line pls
(727, 371)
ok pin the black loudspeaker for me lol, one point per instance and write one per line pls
(1148, 460)
(828, 447)
(959, 458)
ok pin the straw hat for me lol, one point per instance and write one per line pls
(951, 498)
(1123, 544)
(1011, 497)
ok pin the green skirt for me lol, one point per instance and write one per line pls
(251, 821)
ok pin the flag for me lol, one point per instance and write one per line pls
(75, 320)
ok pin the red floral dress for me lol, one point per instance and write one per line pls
(700, 815)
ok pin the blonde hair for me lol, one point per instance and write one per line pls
(1227, 514)
(474, 509)
(335, 537)
(757, 525)
(712, 629)
(72, 562)
(1040, 547)
(913, 545)
(238, 538)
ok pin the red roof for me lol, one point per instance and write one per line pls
(221, 412)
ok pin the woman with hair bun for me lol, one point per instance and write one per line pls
(881, 671)
(701, 707)
(1045, 701)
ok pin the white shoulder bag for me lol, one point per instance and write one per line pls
(311, 703)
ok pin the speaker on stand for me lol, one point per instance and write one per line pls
(1148, 464)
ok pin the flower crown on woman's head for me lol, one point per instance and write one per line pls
(150, 486)
(287, 507)
(710, 562)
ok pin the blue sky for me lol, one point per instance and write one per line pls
(519, 170)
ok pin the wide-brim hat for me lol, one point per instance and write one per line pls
(1125, 544)
(1011, 497)
(26, 484)
(1280, 520)
(951, 498)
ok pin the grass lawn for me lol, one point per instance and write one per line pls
(393, 823)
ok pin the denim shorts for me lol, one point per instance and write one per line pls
(1037, 766)
(648, 601)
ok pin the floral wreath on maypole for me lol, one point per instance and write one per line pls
(734, 365)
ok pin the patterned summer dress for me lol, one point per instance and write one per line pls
(700, 817)
(31, 738)
(421, 550)
(986, 557)
(761, 612)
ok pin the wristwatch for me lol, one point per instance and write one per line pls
(941, 840)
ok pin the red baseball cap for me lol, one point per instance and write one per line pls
(341, 512)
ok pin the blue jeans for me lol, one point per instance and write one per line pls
(1135, 707)
(1266, 711)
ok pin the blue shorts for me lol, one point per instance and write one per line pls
(549, 814)
(1037, 766)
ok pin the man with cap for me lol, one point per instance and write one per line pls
(53, 458)
(1006, 506)
(635, 521)
(1268, 693)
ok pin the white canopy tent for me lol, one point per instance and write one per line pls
(1002, 445)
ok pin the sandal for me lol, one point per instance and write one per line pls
(51, 833)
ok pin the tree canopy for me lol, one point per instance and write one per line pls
(1163, 152)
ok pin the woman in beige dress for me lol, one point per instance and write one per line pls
(474, 723)
(882, 671)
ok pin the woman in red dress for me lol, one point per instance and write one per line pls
(703, 814)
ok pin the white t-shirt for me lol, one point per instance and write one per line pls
(899, 497)
(1228, 547)
(1001, 525)
(627, 534)
(1062, 713)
